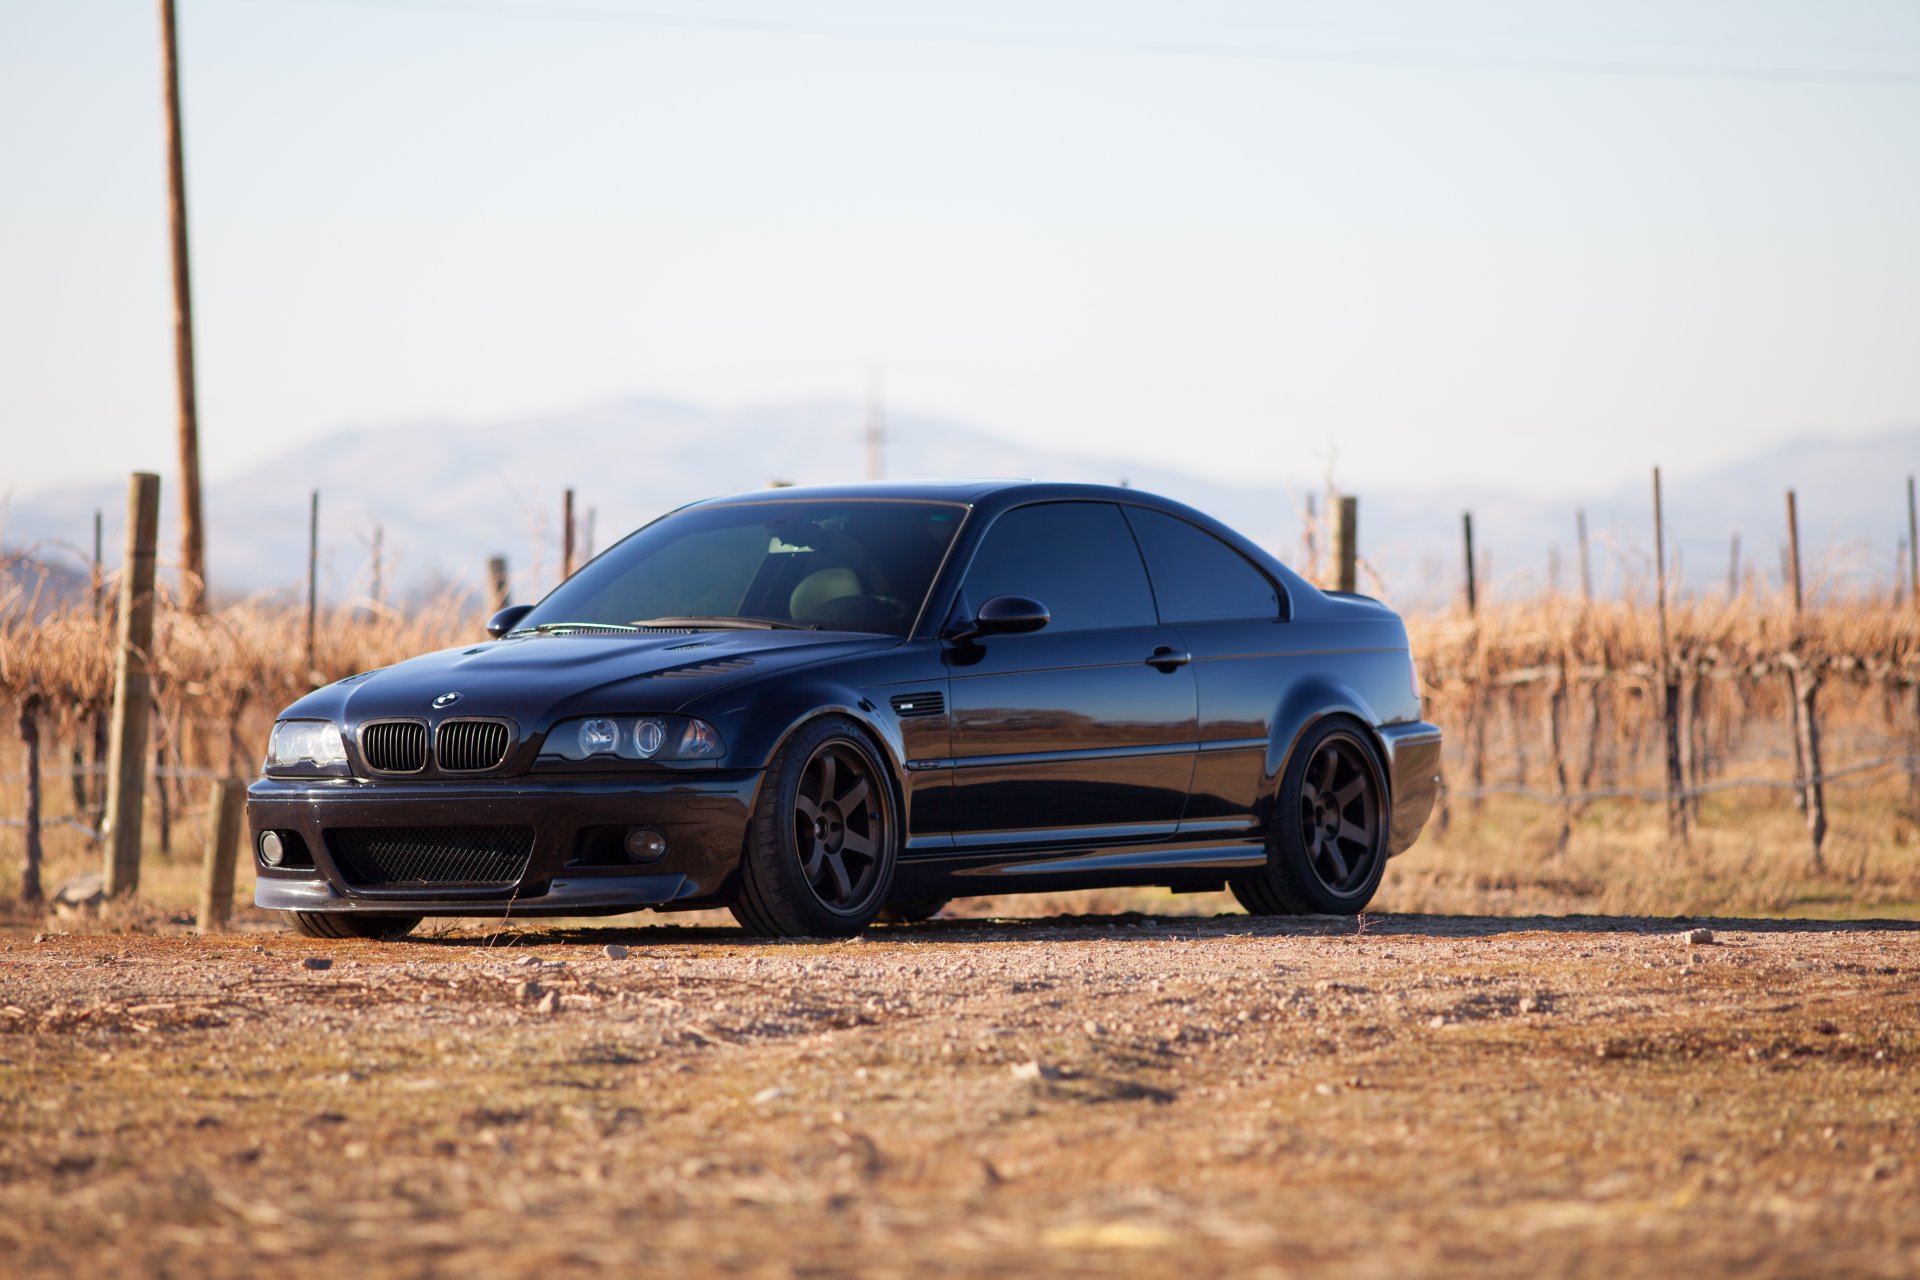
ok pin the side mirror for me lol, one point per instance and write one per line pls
(1009, 616)
(507, 619)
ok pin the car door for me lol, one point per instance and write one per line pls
(1082, 731)
(1230, 616)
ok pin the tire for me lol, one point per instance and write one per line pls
(1327, 838)
(341, 924)
(912, 910)
(823, 840)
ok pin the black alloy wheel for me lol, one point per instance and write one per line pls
(822, 845)
(1327, 840)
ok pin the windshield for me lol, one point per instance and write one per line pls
(832, 565)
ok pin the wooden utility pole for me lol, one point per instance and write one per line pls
(1586, 556)
(132, 691)
(225, 814)
(498, 590)
(313, 573)
(193, 554)
(1733, 568)
(1670, 689)
(1346, 543)
(1466, 532)
(566, 537)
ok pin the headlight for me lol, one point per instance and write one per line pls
(307, 747)
(634, 738)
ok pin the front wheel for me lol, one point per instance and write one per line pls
(341, 924)
(823, 839)
(1327, 839)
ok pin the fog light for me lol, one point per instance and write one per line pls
(273, 850)
(645, 844)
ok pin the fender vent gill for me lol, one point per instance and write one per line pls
(910, 706)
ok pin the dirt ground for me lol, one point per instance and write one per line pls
(1094, 1096)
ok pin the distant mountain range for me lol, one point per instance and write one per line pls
(446, 495)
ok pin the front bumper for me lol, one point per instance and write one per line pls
(1413, 779)
(703, 815)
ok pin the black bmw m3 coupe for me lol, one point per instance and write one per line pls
(819, 707)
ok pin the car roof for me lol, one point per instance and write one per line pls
(962, 491)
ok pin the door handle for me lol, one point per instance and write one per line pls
(1166, 658)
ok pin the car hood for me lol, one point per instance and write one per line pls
(535, 679)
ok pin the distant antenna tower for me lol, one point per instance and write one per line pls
(876, 428)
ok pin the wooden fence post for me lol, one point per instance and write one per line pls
(1556, 717)
(1669, 688)
(224, 815)
(30, 735)
(313, 574)
(1466, 532)
(1807, 689)
(1913, 548)
(1586, 556)
(1791, 553)
(132, 691)
(499, 590)
(1346, 543)
(566, 537)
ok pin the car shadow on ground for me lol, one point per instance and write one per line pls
(1152, 928)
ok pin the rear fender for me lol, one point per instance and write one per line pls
(1307, 705)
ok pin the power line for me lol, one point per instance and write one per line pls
(1618, 68)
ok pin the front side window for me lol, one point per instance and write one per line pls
(1197, 577)
(838, 566)
(1076, 558)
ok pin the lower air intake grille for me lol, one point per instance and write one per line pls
(394, 746)
(474, 857)
(470, 746)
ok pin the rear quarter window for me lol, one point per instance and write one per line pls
(1198, 578)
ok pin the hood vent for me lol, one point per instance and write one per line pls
(718, 667)
(911, 706)
(697, 644)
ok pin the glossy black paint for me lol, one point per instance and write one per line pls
(1021, 758)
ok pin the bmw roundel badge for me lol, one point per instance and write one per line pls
(445, 700)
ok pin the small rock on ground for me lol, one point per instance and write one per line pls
(616, 952)
(316, 962)
(1699, 937)
(1034, 1070)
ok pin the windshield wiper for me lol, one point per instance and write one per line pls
(548, 628)
(727, 624)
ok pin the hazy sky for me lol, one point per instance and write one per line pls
(1514, 244)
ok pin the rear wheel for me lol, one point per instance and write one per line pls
(1327, 841)
(821, 846)
(341, 924)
